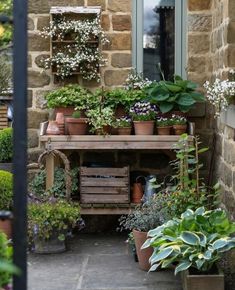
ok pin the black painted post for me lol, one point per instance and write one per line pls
(20, 141)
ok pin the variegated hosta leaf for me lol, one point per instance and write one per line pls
(187, 213)
(203, 239)
(220, 244)
(190, 238)
(154, 267)
(183, 266)
(161, 255)
(155, 232)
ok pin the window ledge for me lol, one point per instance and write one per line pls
(228, 117)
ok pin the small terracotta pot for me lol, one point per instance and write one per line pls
(77, 126)
(179, 129)
(145, 254)
(164, 130)
(52, 128)
(137, 193)
(124, 131)
(60, 122)
(144, 127)
(6, 227)
(106, 130)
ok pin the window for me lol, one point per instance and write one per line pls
(159, 37)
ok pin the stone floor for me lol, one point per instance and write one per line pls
(95, 262)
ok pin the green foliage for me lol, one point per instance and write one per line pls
(47, 218)
(6, 9)
(76, 115)
(6, 190)
(6, 145)
(163, 122)
(147, 216)
(38, 184)
(190, 190)
(5, 74)
(69, 96)
(197, 239)
(178, 95)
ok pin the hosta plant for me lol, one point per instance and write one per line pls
(195, 240)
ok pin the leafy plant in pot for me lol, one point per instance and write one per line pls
(193, 244)
(77, 125)
(49, 222)
(164, 126)
(141, 220)
(6, 149)
(123, 126)
(179, 124)
(143, 115)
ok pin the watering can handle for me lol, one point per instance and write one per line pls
(138, 177)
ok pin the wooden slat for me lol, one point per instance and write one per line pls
(104, 171)
(90, 198)
(116, 182)
(103, 190)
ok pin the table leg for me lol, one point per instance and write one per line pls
(50, 168)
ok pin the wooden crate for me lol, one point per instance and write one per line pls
(3, 117)
(104, 185)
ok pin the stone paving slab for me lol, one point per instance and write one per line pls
(95, 262)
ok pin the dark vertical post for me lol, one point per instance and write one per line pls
(20, 141)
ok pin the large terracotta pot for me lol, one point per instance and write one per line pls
(145, 254)
(124, 131)
(164, 130)
(179, 129)
(77, 126)
(144, 127)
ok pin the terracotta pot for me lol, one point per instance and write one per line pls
(60, 122)
(145, 254)
(144, 127)
(6, 227)
(179, 129)
(67, 111)
(77, 126)
(164, 130)
(106, 130)
(137, 193)
(52, 128)
(124, 131)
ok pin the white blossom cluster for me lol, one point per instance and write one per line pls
(219, 94)
(136, 81)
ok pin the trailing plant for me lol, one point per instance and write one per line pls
(52, 217)
(69, 96)
(143, 111)
(123, 122)
(178, 120)
(6, 190)
(136, 81)
(38, 184)
(163, 122)
(6, 145)
(177, 95)
(195, 240)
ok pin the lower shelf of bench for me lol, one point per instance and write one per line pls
(106, 209)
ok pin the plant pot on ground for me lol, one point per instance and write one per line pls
(164, 126)
(179, 124)
(77, 125)
(6, 149)
(123, 126)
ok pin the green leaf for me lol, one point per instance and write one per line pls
(198, 96)
(219, 244)
(156, 232)
(146, 244)
(161, 255)
(182, 266)
(200, 211)
(200, 263)
(166, 107)
(154, 267)
(61, 237)
(190, 238)
(203, 150)
(203, 239)
(6, 266)
(185, 100)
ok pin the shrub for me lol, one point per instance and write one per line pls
(5, 260)
(6, 189)
(6, 145)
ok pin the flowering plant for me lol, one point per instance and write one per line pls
(219, 94)
(83, 55)
(143, 111)
(136, 81)
(163, 122)
(178, 120)
(100, 117)
(123, 122)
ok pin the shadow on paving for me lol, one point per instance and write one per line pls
(95, 262)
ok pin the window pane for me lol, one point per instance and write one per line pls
(159, 38)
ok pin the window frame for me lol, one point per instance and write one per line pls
(180, 36)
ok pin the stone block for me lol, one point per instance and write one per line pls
(39, 60)
(30, 98)
(30, 23)
(37, 43)
(43, 21)
(115, 77)
(121, 60)
(199, 22)
(101, 3)
(197, 64)
(154, 160)
(37, 79)
(105, 22)
(198, 5)
(228, 176)
(229, 152)
(119, 41)
(198, 78)
(231, 32)
(40, 101)
(33, 154)
(198, 43)
(29, 60)
(231, 9)
(35, 117)
(228, 199)
(121, 22)
(43, 6)
(119, 6)
(32, 138)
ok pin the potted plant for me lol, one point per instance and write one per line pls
(6, 201)
(179, 124)
(141, 220)
(77, 125)
(143, 115)
(6, 149)
(178, 95)
(193, 244)
(164, 126)
(49, 222)
(123, 126)
(101, 119)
